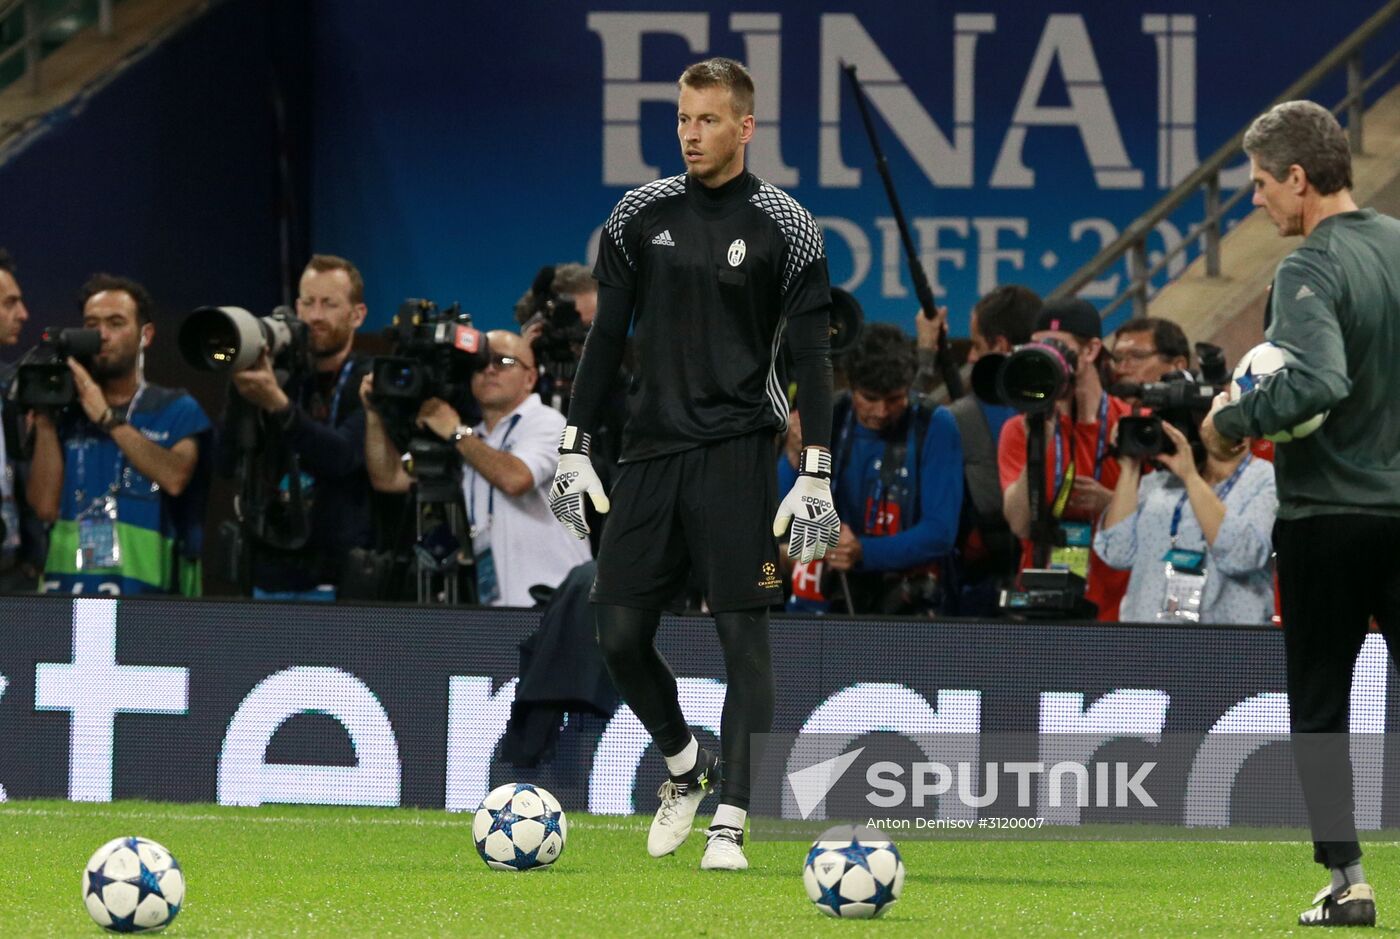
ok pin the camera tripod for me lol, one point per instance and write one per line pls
(442, 550)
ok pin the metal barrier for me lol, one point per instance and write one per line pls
(1206, 178)
(37, 20)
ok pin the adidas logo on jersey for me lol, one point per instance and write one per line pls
(664, 239)
(1304, 292)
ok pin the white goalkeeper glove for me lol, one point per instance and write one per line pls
(574, 477)
(810, 508)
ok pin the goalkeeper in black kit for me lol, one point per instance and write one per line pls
(710, 270)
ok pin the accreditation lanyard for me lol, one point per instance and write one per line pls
(491, 490)
(1221, 493)
(121, 464)
(1098, 449)
(884, 509)
(345, 371)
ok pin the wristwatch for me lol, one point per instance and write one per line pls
(462, 430)
(111, 420)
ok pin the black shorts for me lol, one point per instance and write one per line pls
(708, 511)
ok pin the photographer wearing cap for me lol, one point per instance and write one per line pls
(508, 461)
(120, 474)
(1197, 538)
(1079, 468)
(311, 447)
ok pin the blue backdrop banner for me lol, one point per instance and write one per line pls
(458, 147)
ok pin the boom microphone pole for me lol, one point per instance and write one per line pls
(952, 378)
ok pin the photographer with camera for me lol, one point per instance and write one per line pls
(1206, 565)
(21, 535)
(1079, 470)
(897, 477)
(119, 475)
(988, 551)
(508, 460)
(571, 282)
(1147, 349)
(557, 313)
(311, 447)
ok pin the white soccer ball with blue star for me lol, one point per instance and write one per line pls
(133, 885)
(519, 827)
(853, 872)
(1252, 370)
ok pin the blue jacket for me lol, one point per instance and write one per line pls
(928, 513)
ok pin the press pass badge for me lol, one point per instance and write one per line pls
(1185, 577)
(97, 534)
(1072, 554)
(488, 587)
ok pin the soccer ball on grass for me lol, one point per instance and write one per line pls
(853, 872)
(519, 827)
(133, 885)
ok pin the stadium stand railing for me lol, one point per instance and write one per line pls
(1206, 179)
(31, 29)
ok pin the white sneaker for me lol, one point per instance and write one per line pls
(724, 850)
(1354, 906)
(680, 799)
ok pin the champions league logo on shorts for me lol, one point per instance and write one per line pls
(769, 579)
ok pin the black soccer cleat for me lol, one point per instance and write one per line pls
(1354, 906)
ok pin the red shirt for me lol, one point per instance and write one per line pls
(1106, 586)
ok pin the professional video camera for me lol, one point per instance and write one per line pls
(1178, 399)
(230, 339)
(42, 377)
(435, 353)
(1181, 399)
(1031, 379)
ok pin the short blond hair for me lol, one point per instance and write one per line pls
(322, 263)
(720, 72)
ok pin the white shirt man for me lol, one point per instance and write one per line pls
(508, 464)
(527, 544)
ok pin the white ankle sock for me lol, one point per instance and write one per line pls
(730, 816)
(1344, 877)
(684, 762)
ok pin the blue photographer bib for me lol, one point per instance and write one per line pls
(117, 532)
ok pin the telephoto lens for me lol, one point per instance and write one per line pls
(230, 339)
(1036, 375)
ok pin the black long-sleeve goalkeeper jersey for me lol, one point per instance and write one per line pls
(714, 275)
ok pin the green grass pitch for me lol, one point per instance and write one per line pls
(301, 871)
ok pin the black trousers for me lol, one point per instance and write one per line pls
(1335, 572)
